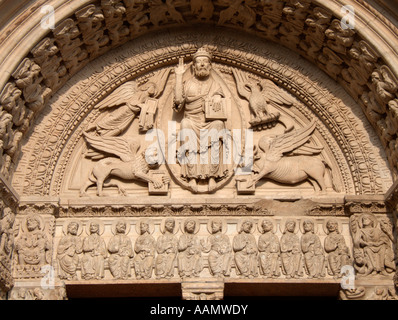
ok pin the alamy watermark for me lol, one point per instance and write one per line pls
(48, 280)
(48, 21)
(348, 277)
(348, 20)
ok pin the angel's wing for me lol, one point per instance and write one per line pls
(286, 143)
(118, 146)
(121, 95)
(162, 77)
(241, 80)
(275, 96)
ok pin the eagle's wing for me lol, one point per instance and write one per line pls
(274, 95)
(285, 143)
(123, 94)
(118, 146)
(241, 79)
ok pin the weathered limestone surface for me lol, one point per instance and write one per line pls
(137, 152)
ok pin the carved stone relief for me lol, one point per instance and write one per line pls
(120, 250)
(298, 24)
(38, 293)
(93, 134)
(33, 245)
(373, 240)
(69, 248)
(313, 252)
(338, 254)
(220, 250)
(167, 249)
(182, 249)
(145, 248)
(156, 90)
(291, 254)
(6, 246)
(94, 252)
(269, 250)
(245, 248)
(190, 261)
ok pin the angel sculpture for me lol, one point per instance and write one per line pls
(131, 164)
(130, 100)
(264, 99)
(287, 159)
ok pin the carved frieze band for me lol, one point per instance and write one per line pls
(252, 247)
(266, 247)
(164, 210)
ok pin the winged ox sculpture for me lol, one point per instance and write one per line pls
(289, 159)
